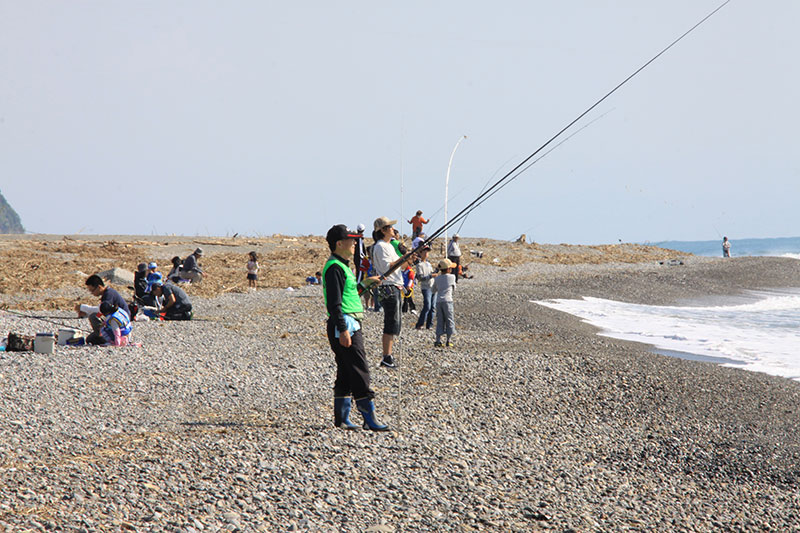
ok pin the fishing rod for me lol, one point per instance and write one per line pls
(521, 166)
(43, 319)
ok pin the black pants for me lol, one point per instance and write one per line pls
(457, 260)
(408, 304)
(391, 301)
(352, 369)
(182, 313)
(95, 337)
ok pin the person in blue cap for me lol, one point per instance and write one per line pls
(153, 274)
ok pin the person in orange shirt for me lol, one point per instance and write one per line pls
(416, 223)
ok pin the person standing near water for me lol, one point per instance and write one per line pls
(726, 247)
(345, 312)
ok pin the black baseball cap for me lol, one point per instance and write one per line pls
(340, 232)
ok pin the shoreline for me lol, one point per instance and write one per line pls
(532, 422)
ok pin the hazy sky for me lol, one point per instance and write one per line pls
(263, 117)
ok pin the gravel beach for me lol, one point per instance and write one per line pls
(531, 422)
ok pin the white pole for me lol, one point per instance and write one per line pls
(402, 170)
(446, 183)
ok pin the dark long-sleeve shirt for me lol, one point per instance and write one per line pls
(111, 296)
(334, 288)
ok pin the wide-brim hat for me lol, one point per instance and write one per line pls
(382, 222)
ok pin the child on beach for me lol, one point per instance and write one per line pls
(409, 281)
(252, 271)
(153, 275)
(425, 275)
(443, 287)
(117, 327)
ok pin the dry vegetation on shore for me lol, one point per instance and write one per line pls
(40, 266)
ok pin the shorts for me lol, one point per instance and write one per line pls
(252, 277)
(391, 301)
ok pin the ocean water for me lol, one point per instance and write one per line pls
(759, 331)
(782, 247)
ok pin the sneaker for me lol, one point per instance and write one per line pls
(449, 344)
(438, 344)
(388, 362)
(413, 311)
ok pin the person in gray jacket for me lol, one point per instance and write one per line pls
(190, 269)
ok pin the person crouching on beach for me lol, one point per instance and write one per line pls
(345, 312)
(252, 271)
(177, 305)
(445, 318)
(96, 286)
(191, 269)
(117, 328)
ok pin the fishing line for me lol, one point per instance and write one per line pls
(42, 319)
(529, 165)
(496, 172)
(523, 165)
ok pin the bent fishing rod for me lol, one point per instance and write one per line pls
(524, 165)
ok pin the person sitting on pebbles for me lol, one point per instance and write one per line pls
(117, 328)
(174, 274)
(190, 269)
(96, 286)
(153, 274)
(176, 304)
(140, 283)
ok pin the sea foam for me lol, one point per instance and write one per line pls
(759, 334)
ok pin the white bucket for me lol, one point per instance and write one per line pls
(64, 336)
(44, 343)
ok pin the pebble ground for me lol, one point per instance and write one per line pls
(530, 423)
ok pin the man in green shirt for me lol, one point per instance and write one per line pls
(345, 312)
